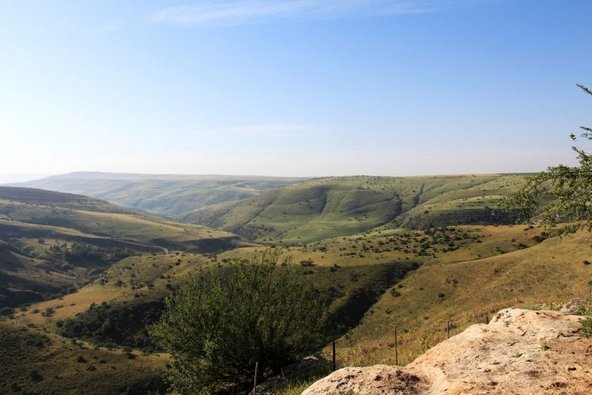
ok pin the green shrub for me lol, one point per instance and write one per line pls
(307, 262)
(218, 326)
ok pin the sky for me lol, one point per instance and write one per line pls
(291, 88)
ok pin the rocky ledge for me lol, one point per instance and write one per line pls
(518, 352)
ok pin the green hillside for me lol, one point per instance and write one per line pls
(34, 362)
(52, 242)
(375, 248)
(173, 196)
(546, 275)
(413, 279)
(102, 219)
(323, 208)
(24, 279)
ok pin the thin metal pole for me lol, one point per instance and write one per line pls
(255, 380)
(396, 347)
(334, 358)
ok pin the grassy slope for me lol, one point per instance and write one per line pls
(36, 362)
(25, 279)
(468, 272)
(174, 196)
(137, 279)
(145, 277)
(108, 224)
(39, 228)
(324, 208)
(141, 279)
(150, 277)
(468, 292)
(26, 207)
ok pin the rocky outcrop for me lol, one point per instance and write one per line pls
(377, 379)
(518, 352)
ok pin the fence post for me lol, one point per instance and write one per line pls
(255, 380)
(334, 358)
(396, 347)
(448, 328)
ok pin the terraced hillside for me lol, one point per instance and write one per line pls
(51, 242)
(323, 208)
(173, 196)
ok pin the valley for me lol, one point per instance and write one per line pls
(84, 279)
(176, 196)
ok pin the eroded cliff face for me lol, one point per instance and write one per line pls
(518, 352)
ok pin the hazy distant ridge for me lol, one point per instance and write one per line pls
(172, 195)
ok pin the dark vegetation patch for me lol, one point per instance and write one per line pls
(28, 276)
(115, 324)
(349, 292)
(84, 254)
(31, 363)
(204, 246)
(420, 243)
(458, 216)
(359, 291)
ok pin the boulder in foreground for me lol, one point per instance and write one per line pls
(518, 352)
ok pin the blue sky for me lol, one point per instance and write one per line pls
(295, 88)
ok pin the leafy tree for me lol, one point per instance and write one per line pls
(218, 326)
(561, 194)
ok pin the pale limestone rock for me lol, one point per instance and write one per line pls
(518, 352)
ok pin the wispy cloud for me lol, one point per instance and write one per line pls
(235, 12)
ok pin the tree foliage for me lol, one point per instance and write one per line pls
(219, 325)
(561, 194)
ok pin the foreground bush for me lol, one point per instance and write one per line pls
(218, 326)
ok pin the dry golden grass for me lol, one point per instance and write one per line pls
(467, 292)
(69, 305)
(489, 268)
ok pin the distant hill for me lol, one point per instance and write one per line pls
(174, 196)
(52, 241)
(24, 279)
(328, 207)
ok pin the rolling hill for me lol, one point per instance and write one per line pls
(51, 242)
(414, 252)
(323, 208)
(173, 196)
(464, 292)
(417, 280)
(289, 210)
